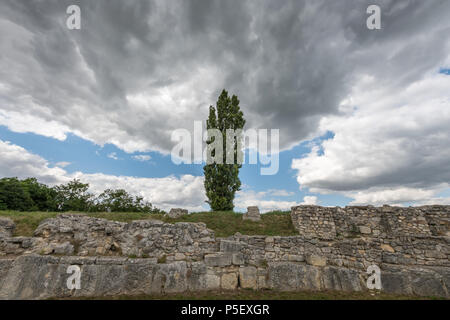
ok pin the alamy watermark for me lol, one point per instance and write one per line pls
(373, 22)
(73, 21)
(74, 281)
(227, 148)
(374, 279)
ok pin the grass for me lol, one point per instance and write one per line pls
(223, 223)
(246, 294)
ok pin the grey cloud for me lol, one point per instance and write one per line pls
(290, 62)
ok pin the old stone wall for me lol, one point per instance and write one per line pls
(150, 256)
(382, 222)
(86, 236)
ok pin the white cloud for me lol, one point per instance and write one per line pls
(24, 123)
(433, 201)
(380, 196)
(247, 198)
(142, 157)
(165, 193)
(15, 161)
(309, 200)
(280, 193)
(113, 156)
(63, 164)
(389, 146)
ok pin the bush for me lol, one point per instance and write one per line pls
(30, 195)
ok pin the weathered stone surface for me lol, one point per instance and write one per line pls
(395, 283)
(287, 276)
(187, 256)
(386, 247)
(230, 246)
(229, 281)
(238, 259)
(252, 214)
(315, 260)
(328, 222)
(341, 279)
(177, 212)
(92, 236)
(218, 259)
(365, 230)
(248, 277)
(212, 281)
(7, 227)
(427, 283)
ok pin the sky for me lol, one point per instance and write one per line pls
(363, 115)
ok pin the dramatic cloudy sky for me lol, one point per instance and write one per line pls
(364, 115)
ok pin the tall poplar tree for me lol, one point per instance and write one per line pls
(222, 178)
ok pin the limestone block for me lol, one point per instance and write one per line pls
(288, 276)
(218, 259)
(212, 282)
(365, 230)
(386, 247)
(316, 260)
(65, 248)
(248, 277)
(252, 214)
(230, 246)
(229, 281)
(177, 212)
(7, 227)
(238, 259)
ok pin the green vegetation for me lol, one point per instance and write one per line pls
(30, 195)
(227, 223)
(26, 195)
(244, 294)
(222, 176)
(224, 223)
(162, 259)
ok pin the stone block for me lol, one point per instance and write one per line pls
(365, 230)
(7, 227)
(177, 212)
(230, 246)
(212, 281)
(316, 260)
(386, 247)
(229, 281)
(238, 259)
(218, 259)
(248, 277)
(252, 214)
(296, 258)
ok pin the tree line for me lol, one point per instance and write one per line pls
(30, 195)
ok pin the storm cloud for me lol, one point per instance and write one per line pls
(137, 70)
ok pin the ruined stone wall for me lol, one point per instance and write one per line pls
(86, 236)
(382, 222)
(150, 256)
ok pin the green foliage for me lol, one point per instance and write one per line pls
(121, 201)
(74, 196)
(222, 179)
(43, 197)
(25, 195)
(30, 195)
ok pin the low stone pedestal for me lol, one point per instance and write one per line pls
(177, 212)
(252, 214)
